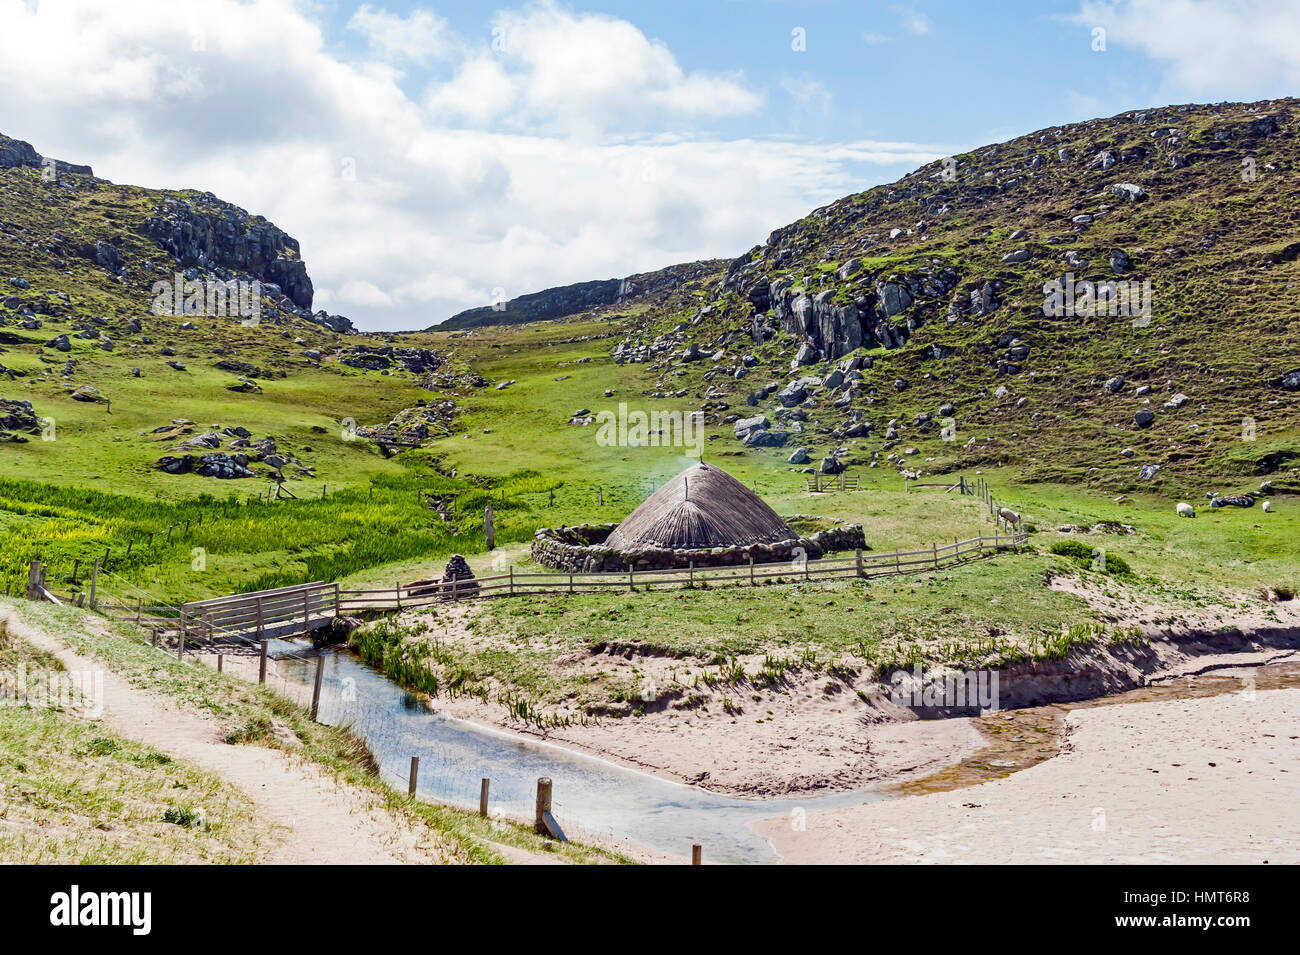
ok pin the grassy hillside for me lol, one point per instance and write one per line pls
(1030, 403)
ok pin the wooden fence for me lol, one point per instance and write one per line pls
(300, 609)
(820, 483)
(861, 565)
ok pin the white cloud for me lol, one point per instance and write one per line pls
(874, 39)
(546, 163)
(421, 37)
(583, 72)
(1210, 49)
(913, 21)
(809, 94)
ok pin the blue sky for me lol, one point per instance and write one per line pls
(433, 156)
(960, 72)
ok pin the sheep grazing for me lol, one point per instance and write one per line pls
(1186, 510)
(1267, 506)
(1010, 516)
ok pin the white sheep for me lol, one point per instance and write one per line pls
(1010, 516)
(1267, 506)
(1185, 509)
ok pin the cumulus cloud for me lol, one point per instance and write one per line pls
(1210, 49)
(582, 72)
(545, 161)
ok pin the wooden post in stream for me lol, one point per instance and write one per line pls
(315, 693)
(483, 796)
(415, 775)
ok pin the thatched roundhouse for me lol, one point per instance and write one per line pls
(703, 517)
(702, 507)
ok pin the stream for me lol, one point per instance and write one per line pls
(591, 796)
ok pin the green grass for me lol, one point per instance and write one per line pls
(250, 714)
(72, 792)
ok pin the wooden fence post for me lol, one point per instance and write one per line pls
(94, 585)
(857, 557)
(180, 646)
(260, 623)
(221, 662)
(752, 582)
(512, 580)
(399, 596)
(415, 775)
(261, 664)
(483, 797)
(33, 580)
(139, 609)
(697, 854)
(543, 804)
(315, 693)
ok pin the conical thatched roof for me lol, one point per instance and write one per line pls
(704, 506)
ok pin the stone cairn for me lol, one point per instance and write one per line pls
(458, 570)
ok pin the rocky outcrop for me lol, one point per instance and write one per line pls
(17, 418)
(15, 153)
(536, 306)
(833, 322)
(571, 299)
(222, 466)
(210, 233)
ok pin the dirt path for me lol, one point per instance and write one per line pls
(318, 820)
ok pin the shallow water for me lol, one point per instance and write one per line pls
(591, 795)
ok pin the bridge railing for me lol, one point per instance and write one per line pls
(262, 614)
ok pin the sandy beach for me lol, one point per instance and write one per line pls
(1209, 780)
